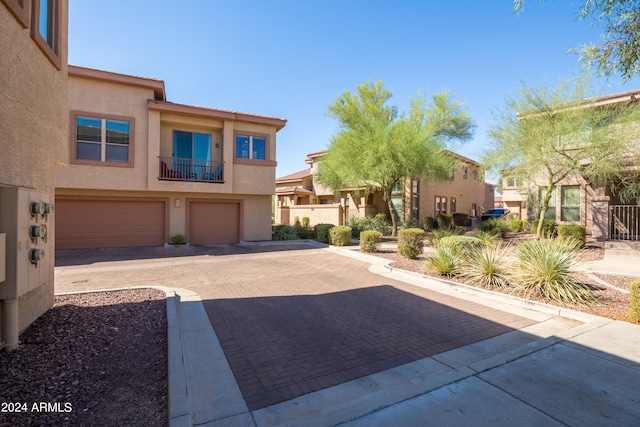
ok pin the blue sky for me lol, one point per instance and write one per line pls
(291, 59)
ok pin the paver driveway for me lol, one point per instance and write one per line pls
(296, 321)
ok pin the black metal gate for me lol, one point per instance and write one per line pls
(624, 222)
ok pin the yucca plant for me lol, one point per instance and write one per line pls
(544, 270)
(489, 267)
(488, 238)
(445, 261)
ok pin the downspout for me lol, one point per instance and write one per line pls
(10, 331)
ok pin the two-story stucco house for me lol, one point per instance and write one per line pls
(140, 169)
(299, 195)
(576, 200)
(33, 127)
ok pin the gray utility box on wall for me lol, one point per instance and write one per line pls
(26, 220)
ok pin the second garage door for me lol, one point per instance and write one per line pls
(214, 223)
(108, 223)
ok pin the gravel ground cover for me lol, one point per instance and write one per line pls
(610, 302)
(94, 359)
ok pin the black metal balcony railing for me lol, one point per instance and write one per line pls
(624, 222)
(177, 169)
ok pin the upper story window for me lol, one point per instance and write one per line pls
(20, 9)
(100, 139)
(251, 147)
(512, 182)
(45, 28)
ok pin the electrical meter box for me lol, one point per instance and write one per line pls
(26, 220)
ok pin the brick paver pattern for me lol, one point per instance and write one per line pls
(298, 321)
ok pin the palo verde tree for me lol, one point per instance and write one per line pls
(549, 134)
(619, 51)
(376, 147)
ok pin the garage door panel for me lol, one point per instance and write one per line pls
(109, 223)
(214, 223)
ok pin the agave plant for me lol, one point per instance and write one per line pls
(544, 270)
(445, 261)
(488, 266)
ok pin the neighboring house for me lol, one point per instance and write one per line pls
(576, 201)
(33, 128)
(141, 169)
(299, 195)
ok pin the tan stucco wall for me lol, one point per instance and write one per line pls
(33, 129)
(318, 214)
(466, 192)
(104, 98)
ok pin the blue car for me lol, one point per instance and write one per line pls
(494, 213)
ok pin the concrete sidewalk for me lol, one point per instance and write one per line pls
(568, 368)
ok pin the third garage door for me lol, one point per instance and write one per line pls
(214, 222)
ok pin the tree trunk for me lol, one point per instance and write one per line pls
(392, 211)
(543, 210)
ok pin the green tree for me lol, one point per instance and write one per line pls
(376, 147)
(620, 47)
(547, 135)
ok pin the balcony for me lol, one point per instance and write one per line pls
(191, 170)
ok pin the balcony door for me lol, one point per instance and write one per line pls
(192, 153)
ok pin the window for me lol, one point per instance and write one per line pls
(192, 155)
(251, 147)
(20, 9)
(102, 139)
(453, 205)
(441, 205)
(570, 203)
(513, 182)
(551, 212)
(45, 31)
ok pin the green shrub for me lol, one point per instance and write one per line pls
(370, 240)
(544, 270)
(178, 239)
(340, 235)
(434, 237)
(304, 232)
(571, 231)
(489, 267)
(548, 228)
(410, 242)
(408, 223)
(377, 223)
(460, 219)
(444, 261)
(283, 232)
(518, 225)
(445, 221)
(322, 232)
(305, 221)
(461, 245)
(499, 227)
(634, 300)
(427, 223)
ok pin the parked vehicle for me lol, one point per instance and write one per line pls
(494, 213)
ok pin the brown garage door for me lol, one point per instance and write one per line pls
(214, 223)
(102, 223)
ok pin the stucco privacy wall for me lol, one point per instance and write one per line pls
(33, 131)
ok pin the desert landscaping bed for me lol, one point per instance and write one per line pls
(94, 359)
(610, 302)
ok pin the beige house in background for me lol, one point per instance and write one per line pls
(140, 169)
(33, 130)
(299, 195)
(575, 201)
